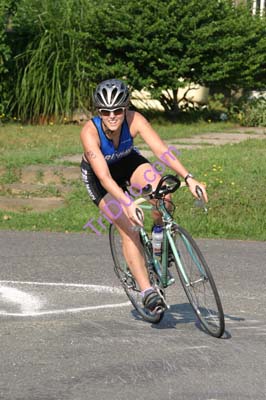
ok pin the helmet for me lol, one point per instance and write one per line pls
(110, 94)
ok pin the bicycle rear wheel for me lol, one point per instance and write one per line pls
(127, 279)
(198, 283)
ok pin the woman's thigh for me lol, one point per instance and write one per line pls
(114, 212)
(143, 175)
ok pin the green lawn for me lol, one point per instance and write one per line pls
(235, 176)
(22, 145)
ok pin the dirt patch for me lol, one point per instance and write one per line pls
(20, 189)
(30, 204)
(41, 188)
(2, 171)
(218, 139)
(49, 174)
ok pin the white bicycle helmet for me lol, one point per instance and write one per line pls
(111, 93)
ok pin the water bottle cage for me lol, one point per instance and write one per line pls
(157, 240)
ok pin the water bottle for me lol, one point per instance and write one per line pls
(157, 240)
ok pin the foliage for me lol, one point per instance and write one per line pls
(165, 44)
(226, 47)
(5, 53)
(51, 82)
(62, 48)
(253, 112)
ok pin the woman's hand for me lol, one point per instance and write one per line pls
(134, 214)
(192, 185)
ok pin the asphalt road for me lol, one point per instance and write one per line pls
(67, 331)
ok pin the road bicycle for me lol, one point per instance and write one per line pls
(179, 251)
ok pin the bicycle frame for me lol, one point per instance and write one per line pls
(161, 268)
(192, 269)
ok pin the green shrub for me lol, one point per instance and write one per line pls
(4, 57)
(51, 82)
(253, 113)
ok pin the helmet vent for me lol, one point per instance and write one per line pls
(111, 93)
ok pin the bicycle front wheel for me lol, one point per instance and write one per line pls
(127, 279)
(198, 283)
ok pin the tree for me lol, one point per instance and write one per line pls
(5, 54)
(63, 48)
(229, 48)
(161, 44)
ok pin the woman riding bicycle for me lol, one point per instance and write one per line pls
(110, 159)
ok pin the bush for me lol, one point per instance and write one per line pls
(4, 57)
(51, 80)
(253, 113)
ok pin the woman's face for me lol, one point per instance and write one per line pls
(112, 119)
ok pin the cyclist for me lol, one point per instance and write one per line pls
(110, 159)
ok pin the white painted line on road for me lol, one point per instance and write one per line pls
(259, 334)
(30, 305)
(27, 302)
(250, 327)
(194, 347)
(64, 311)
(229, 320)
(95, 288)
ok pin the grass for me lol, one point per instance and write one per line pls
(26, 145)
(235, 176)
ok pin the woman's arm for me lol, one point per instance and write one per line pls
(140, 125)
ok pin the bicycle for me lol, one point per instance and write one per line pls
(184, 253)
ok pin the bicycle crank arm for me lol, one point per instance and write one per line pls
(164, 301)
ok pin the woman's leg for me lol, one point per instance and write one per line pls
(132, 248)
(138, 178)
(130, 239)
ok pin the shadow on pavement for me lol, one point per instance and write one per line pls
(183, 314)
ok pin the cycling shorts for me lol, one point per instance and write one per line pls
(121, 172)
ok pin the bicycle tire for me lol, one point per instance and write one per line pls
(127, 280)
(200, 287)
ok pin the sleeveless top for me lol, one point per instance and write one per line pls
(110, 153)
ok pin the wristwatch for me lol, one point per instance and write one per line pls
(187, 177)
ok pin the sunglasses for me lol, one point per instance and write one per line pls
(116, 111)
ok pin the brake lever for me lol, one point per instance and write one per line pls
(139, 214)
(200, 203)
(140, 217)
(147, 190)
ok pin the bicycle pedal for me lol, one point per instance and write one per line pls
(158, 310)
(170, 278)
(170, 281)
(171, 261)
